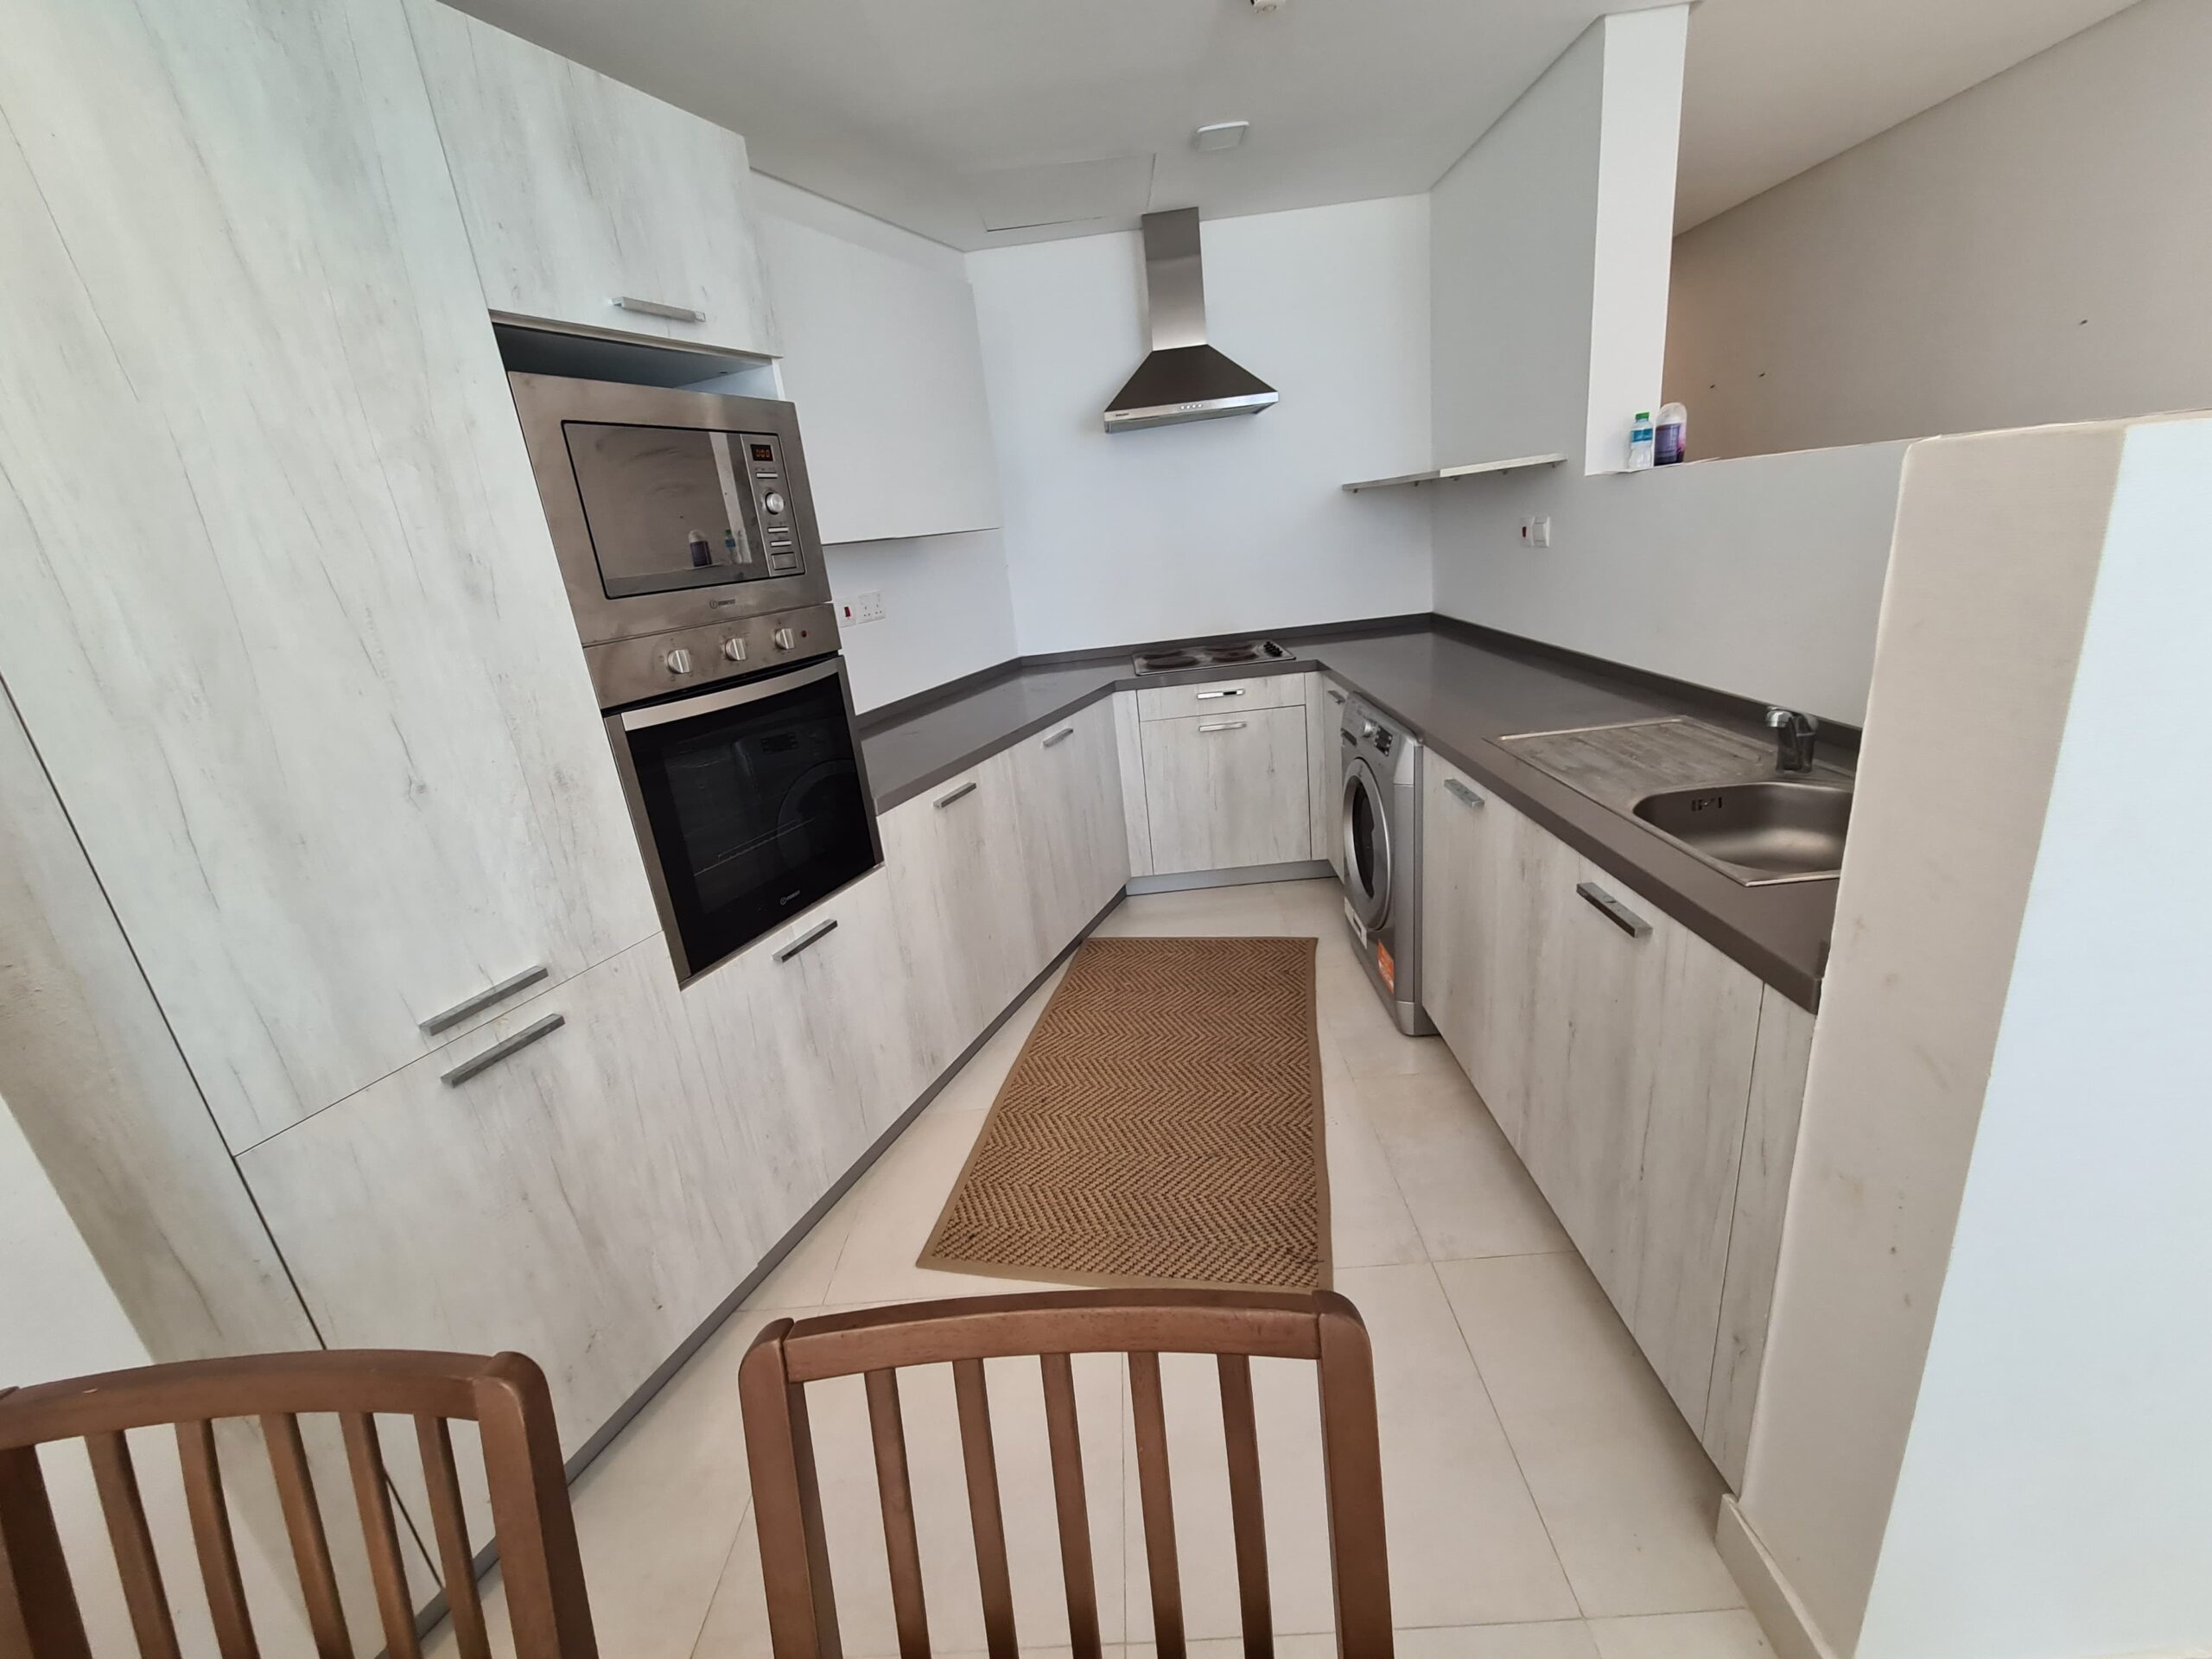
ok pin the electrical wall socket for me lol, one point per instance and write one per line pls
(860, 607)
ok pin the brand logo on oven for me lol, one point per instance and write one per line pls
(789, 898)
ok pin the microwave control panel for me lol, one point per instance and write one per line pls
(764, 472)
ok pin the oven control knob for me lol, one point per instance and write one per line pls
(786, 639)
(773, 504)
(678, 661)
(734, 650)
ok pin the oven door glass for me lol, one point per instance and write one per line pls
(668, 507)
(756, 803)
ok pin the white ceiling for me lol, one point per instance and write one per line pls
(1775, 86)
(1061, 118)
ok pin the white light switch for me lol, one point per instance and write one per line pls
(1536, 532)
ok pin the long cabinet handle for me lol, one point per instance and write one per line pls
(1206, 696)
(505, 1047)
(485, 998)
(819, 931)
(1060, 736)
(968, 788)
(1336, 696)
(1613, 910)
(658, 308)
(1461, 794)
(1226, 726)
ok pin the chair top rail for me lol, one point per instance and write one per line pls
(1277, 1325)
(398, 1382)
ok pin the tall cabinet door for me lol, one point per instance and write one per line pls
(1325, 709)
(1638, 1097)
(579, 191)
(277, 600)
(1075, 851)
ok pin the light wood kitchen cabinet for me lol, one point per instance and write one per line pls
(1222, 699)
(579, 191)
(277, 603)
(1075, 858)
(1227, 792)
(1637, 1084)
(583, 1200)
(1325, 709)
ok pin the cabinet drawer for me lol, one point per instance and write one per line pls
(1222, 696)
(1227, 792)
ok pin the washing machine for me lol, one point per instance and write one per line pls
(1378, 828)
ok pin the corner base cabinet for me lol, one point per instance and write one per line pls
(1650, 1084)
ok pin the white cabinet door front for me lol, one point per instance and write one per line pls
(1324, 707)
(1068, 788)
(278, 604)
(1229, 792)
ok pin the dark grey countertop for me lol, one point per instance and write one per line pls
(1461, 690)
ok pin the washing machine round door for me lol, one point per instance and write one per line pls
(1366, 830)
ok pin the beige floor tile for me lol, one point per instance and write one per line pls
(1629, 1498)
(1198, 912)
(1468, 1546)
(802, 1278)
(1731, 1635)
(1369, 1223)
(1466, 1187)
(1554, 1639)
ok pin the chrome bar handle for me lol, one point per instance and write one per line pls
(460, 1011)
(505, 1047)
(968, 788)
(1205, 695)
(1335, 695)
(658, 308)
(1226, 726)
(820, 930)
(1613, 910)
(1060, 736)
(1461, 792)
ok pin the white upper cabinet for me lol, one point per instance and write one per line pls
(579, 191)
(277, 605)
(882, 356)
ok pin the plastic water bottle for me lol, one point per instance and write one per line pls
(1640, 442)
(1673, 436)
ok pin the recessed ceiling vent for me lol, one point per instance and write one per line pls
(1183, 379)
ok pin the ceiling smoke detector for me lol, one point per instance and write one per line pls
(1220, 135)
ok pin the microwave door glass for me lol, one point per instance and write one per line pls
(756, 812)
(666, 507)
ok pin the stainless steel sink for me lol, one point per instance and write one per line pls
(1775, 830)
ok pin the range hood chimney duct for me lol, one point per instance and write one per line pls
(1182, 378)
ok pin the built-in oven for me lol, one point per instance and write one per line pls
(685, 529)
(752, 801)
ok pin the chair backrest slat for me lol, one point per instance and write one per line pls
(212, 1540)
(1248, 1519)
(140, 1569)
(450, 1527)
(279, 1394)
(1156, 1501)
(1319, 1328)
(387, 1572)
(288, 1463)
(887, 1427)
(1064, 1434)
(985, 1517)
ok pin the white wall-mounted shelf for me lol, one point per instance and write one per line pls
(1515, 465)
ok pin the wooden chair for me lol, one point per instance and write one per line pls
(505, 1396)
(1053, 1325)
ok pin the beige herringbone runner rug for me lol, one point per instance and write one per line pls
(1161, 1126)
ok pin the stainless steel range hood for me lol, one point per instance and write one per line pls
(1182, 379)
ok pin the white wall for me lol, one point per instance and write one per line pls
(2056, 1496)
(1761, 577)
(1227, 524)
(948, 610)
(2034, 250)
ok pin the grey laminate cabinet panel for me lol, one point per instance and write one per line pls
(1129, 742)
(584, 1201)
(1778, 1066)
(1324, 707)
(1228, 790)
(578, 190)
(276, 599)
(1222, 698)
(1067, 781)
(1636, 1091)
(867, 977)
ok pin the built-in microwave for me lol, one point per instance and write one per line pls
(685, 531)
